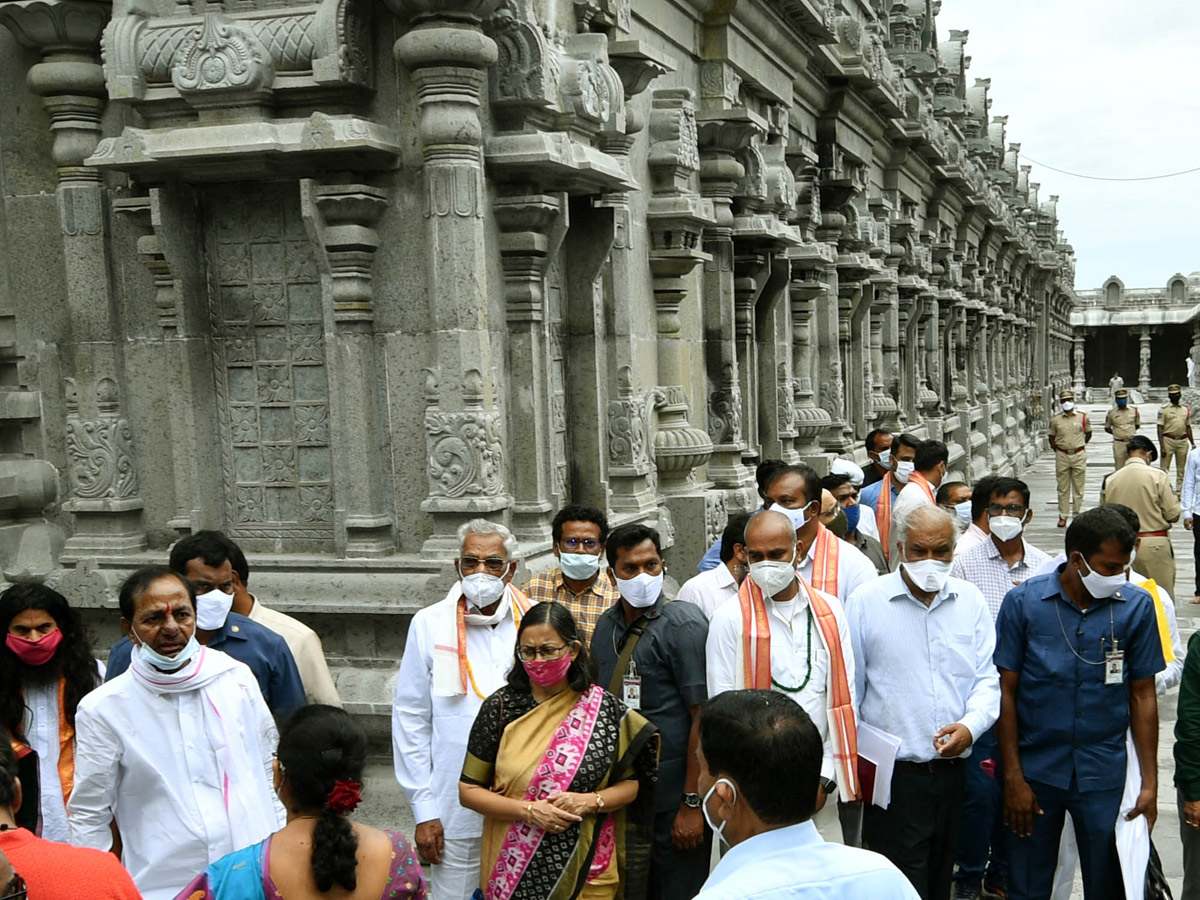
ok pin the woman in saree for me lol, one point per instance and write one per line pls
(563, 774)
(319, 854)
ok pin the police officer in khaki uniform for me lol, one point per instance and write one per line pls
(1122, 422)
(1175, 433)
(1147, 491)
(1069, 433)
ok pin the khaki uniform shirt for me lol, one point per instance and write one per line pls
(1068, 430)
(1123, 423)
(1146, 490)
(1174, 419)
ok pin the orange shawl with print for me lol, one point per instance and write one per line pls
(825, 561)
(756, 656)
(883, 514)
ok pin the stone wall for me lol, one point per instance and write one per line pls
(336, 277)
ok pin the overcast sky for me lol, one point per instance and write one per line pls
(1100, 87)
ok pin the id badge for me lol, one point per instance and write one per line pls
(631, 688)
(1114, 667)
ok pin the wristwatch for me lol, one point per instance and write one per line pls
(829, 785)
(691, 800)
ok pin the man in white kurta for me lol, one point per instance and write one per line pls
(181, 759)
(800, 658)
(439, 689)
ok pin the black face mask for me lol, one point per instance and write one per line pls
(1174, 398)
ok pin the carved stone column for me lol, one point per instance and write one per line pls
(1144, 361)
(811, 420)
(102, 470)
(340, 220)
(448, 55)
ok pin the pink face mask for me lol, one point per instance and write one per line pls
(545, 672)
(34, 653)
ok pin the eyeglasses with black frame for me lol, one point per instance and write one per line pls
(1012, 509)
(591, 545)
(15, 890)
(529, 654)
(493, 565)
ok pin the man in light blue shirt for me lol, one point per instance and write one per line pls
(1190, 501)
(760, 766)
(923, 645)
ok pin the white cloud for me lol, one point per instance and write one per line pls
(1100, 87)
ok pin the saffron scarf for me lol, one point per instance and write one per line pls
(755, 673)
(923, 483)
(553, 775)
(452, 676)
(1160, 614)
(883, 514)
(66, 744)
(826, 549)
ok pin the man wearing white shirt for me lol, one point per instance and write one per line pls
(1189, 499)
(178, 749)
(923, 645)
(458, 651)
(977, 531)
(784, 634)
(929, 470)
(712, 589)
(824, 561)
(759, 761)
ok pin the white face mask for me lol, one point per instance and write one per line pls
(963, 511)
(1005, 528)
(904, 469)
(773, 575)
(482, 589)
(885, 458)
(928, 574)
(580, 566)
(1102, 586)
(719, 832)
(797, 516)
(167, 663)
(641, 591)
(1067, 406)
(212, 609)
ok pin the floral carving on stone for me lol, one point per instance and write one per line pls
(100, 454)
(222, 55)
(466, 456)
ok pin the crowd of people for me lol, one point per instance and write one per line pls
(605, 731)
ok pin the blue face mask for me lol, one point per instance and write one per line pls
(1121, 403)
(579, 566)
(852, 516)
(168, 663)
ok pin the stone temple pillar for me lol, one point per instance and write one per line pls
(1080, 377)
(448, 56)
(1144, 357)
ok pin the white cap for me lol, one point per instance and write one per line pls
(846, 467)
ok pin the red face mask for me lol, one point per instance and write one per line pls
(545, 672)
(34, 653)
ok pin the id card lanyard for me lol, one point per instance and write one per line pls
(1114, 657)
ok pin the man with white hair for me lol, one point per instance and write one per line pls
(458, 651)
(923, 645)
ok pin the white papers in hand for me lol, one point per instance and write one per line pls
(876, 760)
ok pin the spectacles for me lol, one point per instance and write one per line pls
(1013, 509)
(15, 889)
(573, 544)
(529, 654)
(493, 564)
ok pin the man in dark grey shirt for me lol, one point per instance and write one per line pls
(664, 678)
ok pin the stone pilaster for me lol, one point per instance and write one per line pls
(447, 55)
(341, 220)
(1143, 361)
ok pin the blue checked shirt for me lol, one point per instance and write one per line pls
(985, 568)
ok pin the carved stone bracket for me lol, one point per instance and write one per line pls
(628, 425)
(69, 78)
(531, 231)
(342, 219)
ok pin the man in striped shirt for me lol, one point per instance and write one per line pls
(995, 566)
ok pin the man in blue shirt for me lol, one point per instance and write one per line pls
(760, 766)
(207, 563)
(904, 449)
(1077, 650)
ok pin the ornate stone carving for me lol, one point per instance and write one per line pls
(678, 448)
(100, 454)
(466, 455)
(716, 516)
(628, 428)
(222, 56)
(725, 410)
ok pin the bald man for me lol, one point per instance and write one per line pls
(800, 646)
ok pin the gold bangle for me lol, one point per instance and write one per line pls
(529, 812)
(599, 802)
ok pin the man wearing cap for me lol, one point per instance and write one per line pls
(1069, 433)
(1147, 491)
(1122, 422)
(1175, 433)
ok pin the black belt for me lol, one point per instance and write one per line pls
(933, 765)
(1175, 437)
